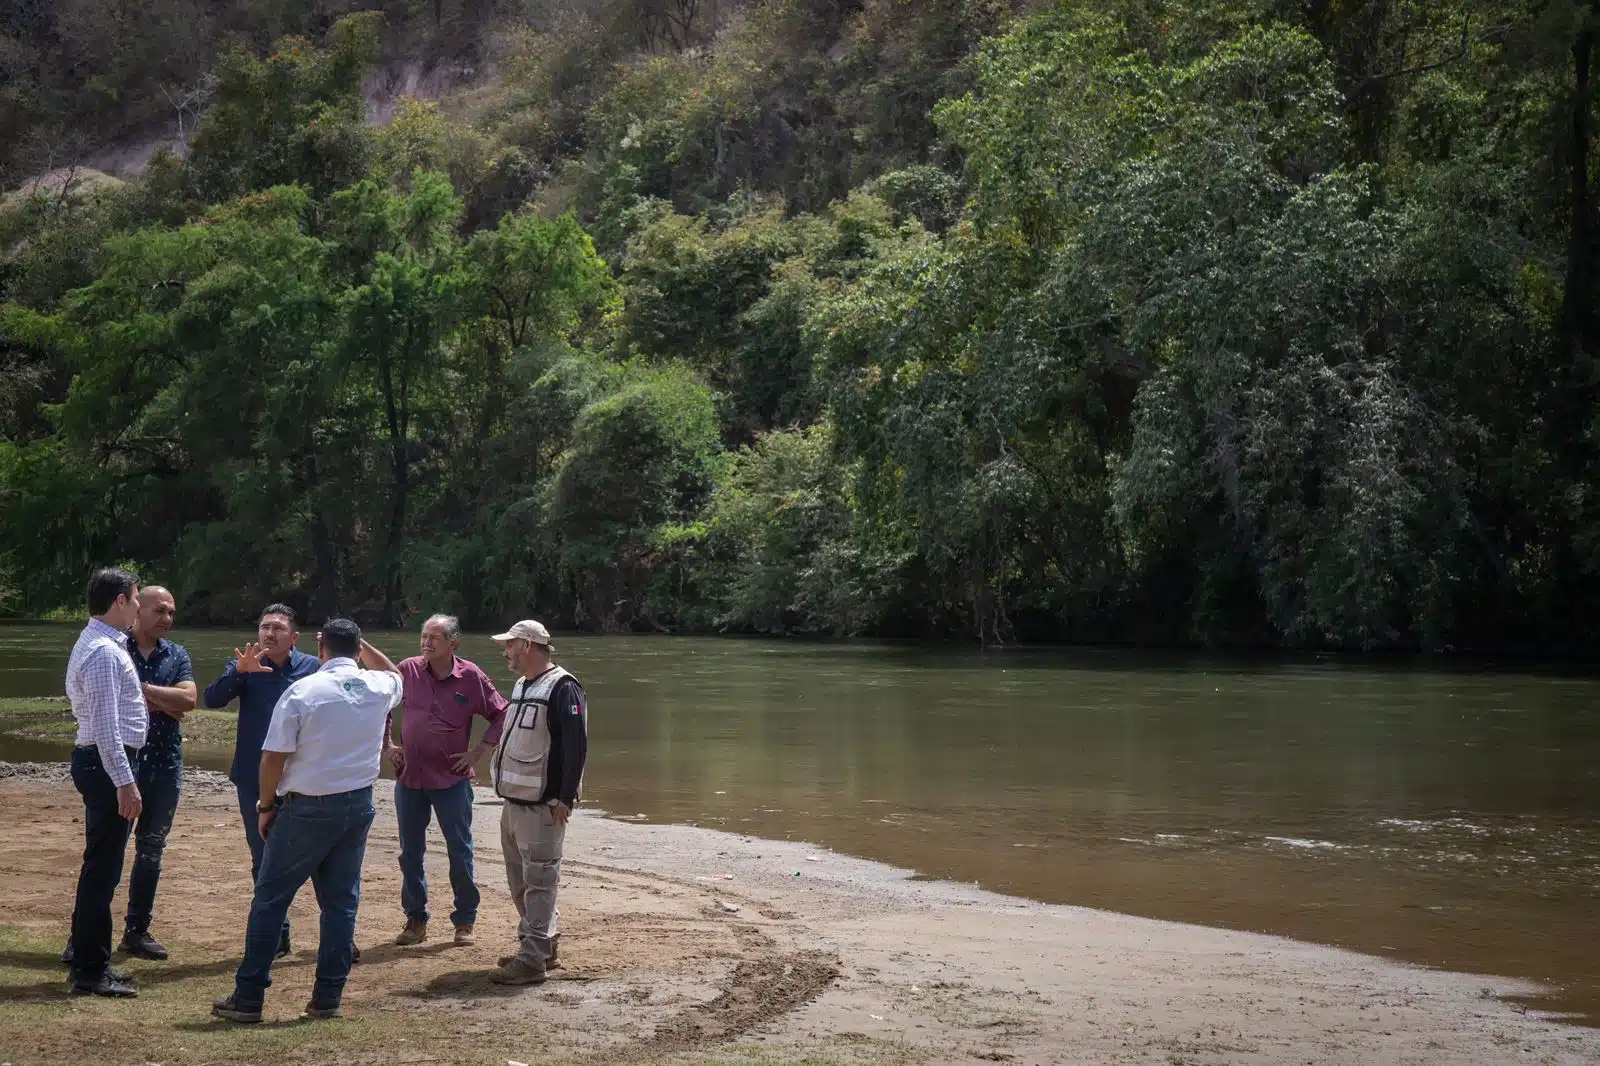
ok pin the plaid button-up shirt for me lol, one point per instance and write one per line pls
(106, 698)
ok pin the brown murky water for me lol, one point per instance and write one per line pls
(1449, 818)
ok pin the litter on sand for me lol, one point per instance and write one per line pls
(813, 858)
(724, 905)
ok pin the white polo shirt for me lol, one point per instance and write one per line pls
(331, 726)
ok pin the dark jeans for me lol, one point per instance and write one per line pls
(249, 794)
(160, 782)
(412, 809)
(105, 842)
(323, 839)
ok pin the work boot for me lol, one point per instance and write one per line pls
(355, 954)
(143, 946)
(113, 985)
(464, 935)
(518, 972)
(550, 964)
(322, 1013)
(284, 948)
(415, 932)
(228, 1008)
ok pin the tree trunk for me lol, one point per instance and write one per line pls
(396, 414)
(327, 594)
(1576, 315)
(393, 591)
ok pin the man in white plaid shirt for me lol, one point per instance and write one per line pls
(112, 721)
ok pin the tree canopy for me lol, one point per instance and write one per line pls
(1214, 321)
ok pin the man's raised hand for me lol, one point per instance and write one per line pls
(250, 660)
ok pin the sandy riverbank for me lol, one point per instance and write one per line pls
(850, 961)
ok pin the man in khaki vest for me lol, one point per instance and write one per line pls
(538, 772)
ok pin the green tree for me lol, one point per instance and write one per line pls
(642, 458)
(404, 283)
(294, 117)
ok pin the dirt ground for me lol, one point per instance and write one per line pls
(688, 945)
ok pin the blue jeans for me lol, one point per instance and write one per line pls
(160, 783)
(321, 839)
(412, 809)
(105, 842)
(249, 795)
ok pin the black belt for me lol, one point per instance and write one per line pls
(132, 753)
(302, 797)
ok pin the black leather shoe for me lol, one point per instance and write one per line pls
(143, 946)
(115, 985)
(230, 1009)
(66, 960)
(284, 950)
(116, 975)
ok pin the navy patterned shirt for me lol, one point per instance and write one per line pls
(167, 666)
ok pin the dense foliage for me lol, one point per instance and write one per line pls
(1228, 321)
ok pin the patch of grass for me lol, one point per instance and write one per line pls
(170, 1021)
(51, 719)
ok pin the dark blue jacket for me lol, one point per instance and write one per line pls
(258, 695)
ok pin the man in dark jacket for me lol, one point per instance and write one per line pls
(257, 676)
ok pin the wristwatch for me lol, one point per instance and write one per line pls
(265, 808)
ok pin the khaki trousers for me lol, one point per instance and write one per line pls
(532, 843)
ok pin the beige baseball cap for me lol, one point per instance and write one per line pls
(527, 629)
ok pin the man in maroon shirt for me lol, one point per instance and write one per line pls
(433, 767)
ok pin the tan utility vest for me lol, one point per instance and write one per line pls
(520, 760)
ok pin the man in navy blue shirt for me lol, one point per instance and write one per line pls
(256, 677)
(166, 677)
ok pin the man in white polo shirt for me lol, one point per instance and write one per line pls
(318, 764)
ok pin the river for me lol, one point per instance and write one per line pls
(1447, 817)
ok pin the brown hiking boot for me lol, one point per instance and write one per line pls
(413, 933)
(550, 964)
(464, 936)
(517, 972)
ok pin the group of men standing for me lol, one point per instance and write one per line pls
(311, 737)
